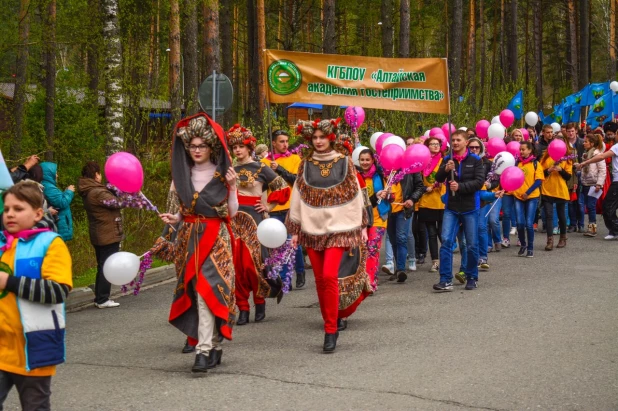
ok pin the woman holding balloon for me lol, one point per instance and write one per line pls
(253, 178)
(527, 198)
(430, 205)
(557, 168)
(204, 305)
(328, 217)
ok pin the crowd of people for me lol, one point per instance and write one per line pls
(336, 211)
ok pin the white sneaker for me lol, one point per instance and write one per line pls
(611, 237)
(513, 231)
(388, 268)
(107, 304)
(412, 265)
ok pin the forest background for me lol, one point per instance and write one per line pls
(92, 77)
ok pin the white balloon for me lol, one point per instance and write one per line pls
(555, 127)
(121, 268)
(463, 128)
(374, 138)
(614, 86)
(496, 120)
(427, 133)
(496, 130)
(394, 140)
(502, 160)
(356, 154)
(531, 118)
(272, 233)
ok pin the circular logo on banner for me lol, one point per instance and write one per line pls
(284, 77)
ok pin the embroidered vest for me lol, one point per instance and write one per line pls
(43, 324)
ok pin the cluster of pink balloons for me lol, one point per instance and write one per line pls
(124, 171)
(394, 155)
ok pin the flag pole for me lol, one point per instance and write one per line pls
(450, 132)
(270, 128)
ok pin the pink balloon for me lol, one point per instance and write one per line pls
(381, 140)
(354, 116)
(125, 172)
(557, 149)
(434, 131)
(445, 129)
(481, 128)
(416, 158)
(525, 133)
(512, 178)
(494, 146)
(507, 118)
(391, 157)
(513, 148)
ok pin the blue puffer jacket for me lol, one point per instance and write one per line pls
(58, 199)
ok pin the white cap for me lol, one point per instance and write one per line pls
(463, 128)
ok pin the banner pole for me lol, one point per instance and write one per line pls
(450, 131)
(270, 128)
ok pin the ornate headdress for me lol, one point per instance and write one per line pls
(198, 127)
(330, 128)
(240, 135)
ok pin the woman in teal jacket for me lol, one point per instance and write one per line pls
(60, 200)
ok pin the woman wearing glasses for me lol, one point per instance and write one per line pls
(430, 205)
(253, 178)
(328, 217)
(204, 305)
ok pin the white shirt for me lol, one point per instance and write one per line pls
(614, 148)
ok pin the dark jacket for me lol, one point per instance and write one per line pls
(412, 188)
(541, 147)
(470, 175)
(104, 221)
(60, 200)
(579, 147)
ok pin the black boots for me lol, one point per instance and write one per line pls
(342, 324)
(330, 342)
(260, 312)
(300, 280)
(201, 363)
(243, 318)
(214, 358)
(188, 348)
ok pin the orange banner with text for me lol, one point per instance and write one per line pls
(419, 85)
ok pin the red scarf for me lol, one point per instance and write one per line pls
(370, 173)
(527, 159)
(460, 158)
(435, 159)
(286, 154)
(22, 234)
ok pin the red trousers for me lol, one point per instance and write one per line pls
(246, 277)
(326, 271)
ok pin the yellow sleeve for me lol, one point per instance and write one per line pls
(57, 264)
(539, 174)
(297, 165)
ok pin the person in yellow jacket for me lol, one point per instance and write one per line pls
(527, 198)
(554, 190)
(430, 206)
(285, 164)
(35, 280)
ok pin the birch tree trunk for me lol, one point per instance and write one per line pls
(50, 76)
(174, 61)
(112, 73)
(404, 29)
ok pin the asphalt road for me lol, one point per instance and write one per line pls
(538, 333)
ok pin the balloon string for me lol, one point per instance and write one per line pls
(388, 183)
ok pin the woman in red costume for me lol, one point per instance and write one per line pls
(204, 181)
(328, 216)
(254, 178)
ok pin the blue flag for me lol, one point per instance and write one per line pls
(600, 111)
(559, 113)
(615, 100)
(541, 117)
(595, 91)
(572, 113)
(575, 98)
(550, 118)
(516, 105)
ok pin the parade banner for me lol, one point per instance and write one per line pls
(419, 85)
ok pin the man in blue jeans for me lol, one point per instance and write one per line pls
(464, 174)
